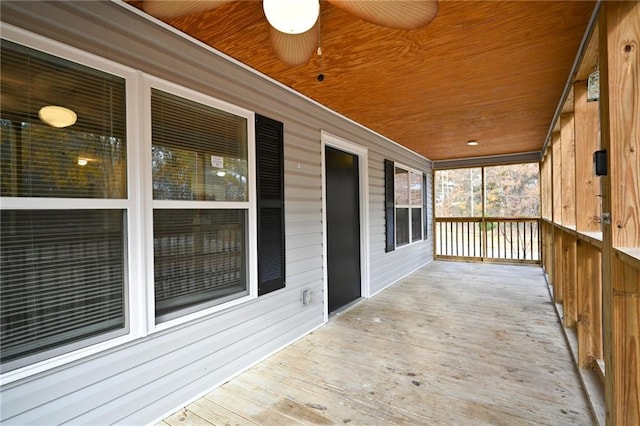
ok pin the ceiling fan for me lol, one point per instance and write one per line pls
(294, 24)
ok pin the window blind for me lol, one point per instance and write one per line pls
(62, 272)
(199, 257)
(199, 152)
(62, 278)
(84, 160)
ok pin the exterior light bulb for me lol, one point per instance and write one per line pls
(291, 16)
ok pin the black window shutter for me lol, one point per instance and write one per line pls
(270, 204)
(425, 203)
(389, 205)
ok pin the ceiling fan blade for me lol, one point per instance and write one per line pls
(401, 14)
(294, 49)
(176, 8)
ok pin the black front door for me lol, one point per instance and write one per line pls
(343, 227)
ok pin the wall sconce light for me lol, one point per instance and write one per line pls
(57, 116)
(291, 16)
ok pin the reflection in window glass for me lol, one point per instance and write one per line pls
(402, 187)
(408, 194)
(402, 226)
(86, 159)
(63, 272)
(198, 153)
(416, 224)
(62, 278)
(416, 189)
(199, 257)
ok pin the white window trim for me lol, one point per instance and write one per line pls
(409, 206)
(150, 82)
(134, 293)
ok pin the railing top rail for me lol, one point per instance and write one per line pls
(487, 219)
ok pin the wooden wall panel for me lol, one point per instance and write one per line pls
(589, 287)
(619, 45)
(587, 141)
(568, 170)
(624, 125)
(626, 343)
(556, 146)
(569, 273)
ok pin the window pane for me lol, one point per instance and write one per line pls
(402, 187)
(84, 160)
(416, 224)
(458, 193)
(512, 191)
(416, 189)
(402, 226)
(198, 153)
(199, 258)
(61, 278)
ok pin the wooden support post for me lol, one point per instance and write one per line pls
(587, 141)
(568, 170)
(557, 266)
(570, 292)
(589, 305)
(556, 159)
(619, 25)
(547, 254)
(546, 188)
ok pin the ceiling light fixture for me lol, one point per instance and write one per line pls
(292, 16)
(57, 116)
(472, 143)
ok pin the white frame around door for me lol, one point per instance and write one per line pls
(327, 139)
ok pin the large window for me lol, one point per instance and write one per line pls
(90, 223)
(63, 238)
(200, 217)
(408, 206)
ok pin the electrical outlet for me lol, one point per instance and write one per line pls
(306, 297)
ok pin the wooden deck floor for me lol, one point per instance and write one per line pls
(454, 343)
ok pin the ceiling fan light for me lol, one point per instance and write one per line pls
(57, 116)
(292, 16)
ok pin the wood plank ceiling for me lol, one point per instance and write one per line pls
(482, 70)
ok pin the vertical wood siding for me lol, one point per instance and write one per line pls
(146, 379)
